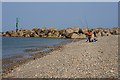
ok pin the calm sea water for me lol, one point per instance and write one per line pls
(13, 46)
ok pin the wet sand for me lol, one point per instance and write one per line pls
(75, 60)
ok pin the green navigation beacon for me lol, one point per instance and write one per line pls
(17, 21)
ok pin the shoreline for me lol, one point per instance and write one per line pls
(75, 60)
(16, 61)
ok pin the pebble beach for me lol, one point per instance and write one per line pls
(79, 59)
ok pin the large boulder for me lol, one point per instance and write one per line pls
(20, 33)
(82, 36)
(52, 28)
(62, 33)
(43, 31)
(118, 31)
(49, 34)
(7, 34)
(99, 34)
(26, 35)
(69, 35)
(28, 32)
(38, 32)
(113, 31)
(23, 33)
(35, 29)
(14, 35)
(108, 34)
(43, 28)
(76, 29)
(69, 30)
(3, 33)
(33, 34)
(96, 30)
(56, 34)
(42, 35)
(11, 33)
(72, 31)
(103, 34)
(106, 30)
(84, 30)
(74, 35)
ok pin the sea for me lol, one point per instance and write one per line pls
(15, 46)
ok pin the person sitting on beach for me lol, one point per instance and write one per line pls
(86, 36)
(94, 37)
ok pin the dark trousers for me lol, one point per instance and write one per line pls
(89, 38)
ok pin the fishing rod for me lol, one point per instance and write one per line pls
(84, 26)
(81, 21)
(86, 23)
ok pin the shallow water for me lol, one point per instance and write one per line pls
(14, 46)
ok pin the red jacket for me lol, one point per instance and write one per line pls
(88, 33)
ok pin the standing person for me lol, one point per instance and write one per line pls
(89, 35)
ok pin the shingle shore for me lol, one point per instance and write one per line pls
(76, 60)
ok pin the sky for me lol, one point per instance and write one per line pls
(119, 15)
(0, 17)
(59, 14)
(60, 0)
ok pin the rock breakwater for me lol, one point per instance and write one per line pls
(74, 32)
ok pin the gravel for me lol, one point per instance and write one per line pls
(75, 60)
